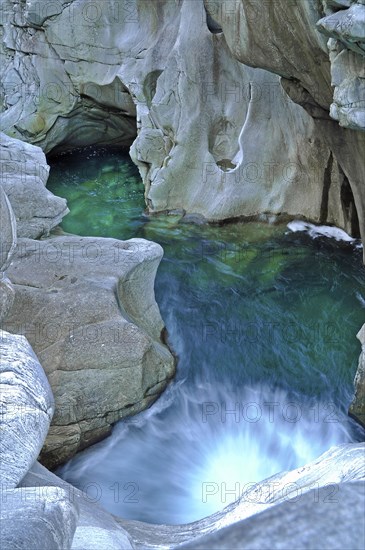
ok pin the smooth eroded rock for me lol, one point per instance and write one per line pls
(37, 518)
(357, 407)
(7, 231)
(24, 173)
(26, 407)
(329, 518)
(87, 306)
(96, 529)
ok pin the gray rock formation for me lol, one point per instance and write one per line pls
(318, 519)
(7, 231)
(23, 176)
(87, 307)
(357, 407)
(36, 518)
(7, 294)
(26, 407)
(47, 95)
(292, 47)
(345, 25)
(96, 529)
(7, 247)
(215, 137)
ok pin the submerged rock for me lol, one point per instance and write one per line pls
(357, 407)
(87, 307)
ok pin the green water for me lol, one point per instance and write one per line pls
(256, 314)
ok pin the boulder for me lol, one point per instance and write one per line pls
(87, 306)
(96, 528)
(47, 97)
(7, 294)
(37, 518)
(26, 407)
(357, 407)
(24, 173)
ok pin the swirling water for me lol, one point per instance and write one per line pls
(263, 321)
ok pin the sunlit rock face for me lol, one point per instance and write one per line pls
(215, 137)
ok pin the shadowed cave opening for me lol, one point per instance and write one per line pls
(263, 323)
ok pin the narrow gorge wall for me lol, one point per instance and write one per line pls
(216, 137)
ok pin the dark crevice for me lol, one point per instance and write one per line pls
(349, 207)
(213, 26)
(150, 85)
(326, 189)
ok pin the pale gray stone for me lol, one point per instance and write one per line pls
(346, 29)
(37, 518)
(330, 518)
(26, 406)
(7, 294)
(357, 407)
(88, 308)
(215, 137)
(336, 467)
(7, 231)
(24, 173)
(323, 480)
(260, 36)
(96, 528)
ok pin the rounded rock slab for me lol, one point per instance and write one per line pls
(26, 404)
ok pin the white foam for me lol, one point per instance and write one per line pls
(322, 231)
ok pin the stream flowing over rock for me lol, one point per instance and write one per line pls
(315, 489)
(235, 109)
(87, 307)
